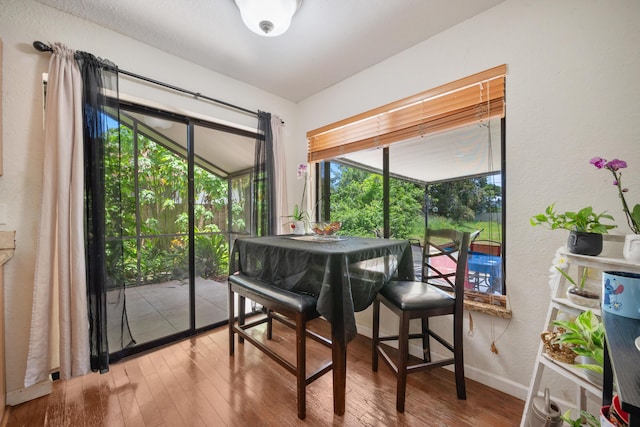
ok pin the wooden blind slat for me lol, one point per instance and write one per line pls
(463, 102)
(341, 145)
(455, 101)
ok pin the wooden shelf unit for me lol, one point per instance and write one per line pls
(560, 303)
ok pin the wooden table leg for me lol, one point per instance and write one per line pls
(338, 337)
(339, 356)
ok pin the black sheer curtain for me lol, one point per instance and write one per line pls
(264, 221)
(102, 260)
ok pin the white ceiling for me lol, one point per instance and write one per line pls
(329, 40)
(467, 151)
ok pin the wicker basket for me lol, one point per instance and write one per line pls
(560, 352)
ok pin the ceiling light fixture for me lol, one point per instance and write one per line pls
(268, 18)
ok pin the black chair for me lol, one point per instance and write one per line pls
(441, 292)
(291, 309)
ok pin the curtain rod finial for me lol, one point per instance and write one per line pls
(42, 47)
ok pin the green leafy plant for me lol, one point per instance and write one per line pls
(583, 279)
(585, 220)
(585, 336)
(585, 418)
(211, 253)
(298, 214)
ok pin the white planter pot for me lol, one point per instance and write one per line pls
(631, 249)
(298, 227)
(590, 298)
(592, 376)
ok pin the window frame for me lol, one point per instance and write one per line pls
(361, 132)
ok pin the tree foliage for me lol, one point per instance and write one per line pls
(463, 199)
(357, 201)
(147, 211)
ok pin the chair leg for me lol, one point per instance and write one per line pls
(269, 325)
(241, 314)
(403, 359)
(231, 310)
(376, 335)
(301, 369)
(458, 356)
(426, 349)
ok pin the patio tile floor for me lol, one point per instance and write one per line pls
(161, 309)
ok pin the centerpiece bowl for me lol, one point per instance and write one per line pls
(325, 228)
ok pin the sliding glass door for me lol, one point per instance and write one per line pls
(172, 187)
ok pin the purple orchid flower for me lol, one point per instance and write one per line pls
(614, 166)
(598, 162)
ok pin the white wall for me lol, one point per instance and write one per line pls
(21, 23)
(572, 94)
(583, 53)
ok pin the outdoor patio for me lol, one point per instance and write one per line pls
(161, 309)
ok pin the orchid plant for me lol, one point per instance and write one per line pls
(614, 166)
(298, 211)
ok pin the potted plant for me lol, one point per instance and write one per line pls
(585, 335)
(585, 418)
(578, 292)
(585, 228)
(631, 249)
(299, 218)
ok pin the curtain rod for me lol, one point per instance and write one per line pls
(43, 47)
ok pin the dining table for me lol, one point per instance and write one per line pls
(344, 273)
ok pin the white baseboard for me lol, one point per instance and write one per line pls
(22, 395)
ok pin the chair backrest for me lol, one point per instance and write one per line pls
(489, 247)
(445, 259)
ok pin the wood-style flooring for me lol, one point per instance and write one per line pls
(196, 383)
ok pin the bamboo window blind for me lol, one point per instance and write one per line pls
(469, 100)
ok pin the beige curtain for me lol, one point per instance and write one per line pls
(280, 168)
(59, 321)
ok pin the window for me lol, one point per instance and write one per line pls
(434, 159)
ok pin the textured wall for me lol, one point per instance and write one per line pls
(572, 93)
(21, 23)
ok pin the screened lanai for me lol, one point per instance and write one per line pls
(153, 212)
(446, 179)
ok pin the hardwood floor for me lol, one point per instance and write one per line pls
(196, 383)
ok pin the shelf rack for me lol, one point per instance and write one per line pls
(559, 303)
